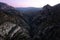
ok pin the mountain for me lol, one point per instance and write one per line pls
(28, 9)
(46, 25)
(12, 25)
(29, 13)
(32, 24)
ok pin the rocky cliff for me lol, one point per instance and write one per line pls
(46, 25)
(12, 25)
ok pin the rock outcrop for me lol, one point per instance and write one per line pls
(12, 25)
(46, 26)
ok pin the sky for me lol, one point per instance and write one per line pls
(30, 3)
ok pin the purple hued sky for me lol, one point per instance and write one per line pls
(30, 3)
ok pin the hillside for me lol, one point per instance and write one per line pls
(29, 23)
(12, 24)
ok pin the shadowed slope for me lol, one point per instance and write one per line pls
(12, 24)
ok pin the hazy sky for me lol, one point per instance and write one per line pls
(30, 3)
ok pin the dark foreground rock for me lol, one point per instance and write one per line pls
(46, 25)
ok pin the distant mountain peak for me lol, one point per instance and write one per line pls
(47, 6)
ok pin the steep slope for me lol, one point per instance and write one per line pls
(12, 24)
(46, 26)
